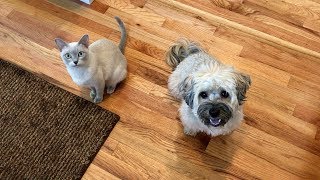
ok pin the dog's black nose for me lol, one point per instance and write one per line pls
(75, 62)
(214, 112)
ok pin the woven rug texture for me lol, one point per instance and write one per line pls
(45, 131)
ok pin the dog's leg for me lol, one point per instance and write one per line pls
(187, 120)
(189, 131)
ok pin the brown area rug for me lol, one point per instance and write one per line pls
(45, 131)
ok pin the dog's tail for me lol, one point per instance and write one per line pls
(180, 50)
(123, 34)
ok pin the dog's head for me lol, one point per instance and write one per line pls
(215, 95)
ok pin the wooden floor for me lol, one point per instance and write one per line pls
(276, 42)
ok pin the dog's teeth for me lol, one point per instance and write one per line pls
(215, 121)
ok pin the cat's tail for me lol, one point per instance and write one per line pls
(123, 34)
(180, 50)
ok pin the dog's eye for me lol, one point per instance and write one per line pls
(80, 54)
(224, 94)
(204, 95)
(68, 56)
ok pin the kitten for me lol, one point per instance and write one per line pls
(100, 65)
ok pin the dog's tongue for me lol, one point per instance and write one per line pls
(215, 121)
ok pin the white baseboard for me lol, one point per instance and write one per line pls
(87, 1)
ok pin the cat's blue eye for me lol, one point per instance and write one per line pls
(68, 56)
(81, 54)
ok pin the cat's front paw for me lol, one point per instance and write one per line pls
(97, 99)
(110, 89)
(92, 94)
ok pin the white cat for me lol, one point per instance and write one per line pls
(100, 65)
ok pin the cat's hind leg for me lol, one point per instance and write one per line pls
(119, 75)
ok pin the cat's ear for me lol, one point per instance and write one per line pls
(60, 43)
(84, 40)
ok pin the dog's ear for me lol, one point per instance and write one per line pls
(187, 88)
(243, 82)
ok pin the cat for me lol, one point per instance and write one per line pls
(99, 65)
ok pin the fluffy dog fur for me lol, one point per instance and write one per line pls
(211, 93)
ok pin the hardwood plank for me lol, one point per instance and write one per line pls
(137, 93)
(144, 25)
(94, 21)
(138, 3)
(32, 56)
(246, 160)
(95, 172)
(286, 26)
(153, 75)
(163, 94)
(175, 13)
(255, 11)
(285, 95)
(141, 13)
(312, 25)
(134, 114)
(276, 125)
(110, 145)
(318, 135)
(266, 112)
(62, 11)
(110, 22)
(141, 46)
(261, 34)
(276, 57)
(302, 69)
(307, 113)
(28, 26)
(176, 156)
(304, 86)
(295, 9)
(146, 59)
(189, 29)
(252, 148)
(202, 35)
(5, 9)
(86, 23)
(96, 5)
(308, 4)
(141, 162)
(252, 67)
(118, 168)
(70, 30)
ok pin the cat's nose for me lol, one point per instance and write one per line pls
(75, 62)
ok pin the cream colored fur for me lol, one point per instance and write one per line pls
(100, 65)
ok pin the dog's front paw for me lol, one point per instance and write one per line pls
(189, 131)
(97, 99)
(92, 94)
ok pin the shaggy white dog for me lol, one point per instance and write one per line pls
(211, 93)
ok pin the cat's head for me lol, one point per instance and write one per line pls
(76, 53)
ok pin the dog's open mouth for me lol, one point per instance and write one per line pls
(214, 114)
(215, 122)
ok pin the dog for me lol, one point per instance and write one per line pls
(212, 94)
